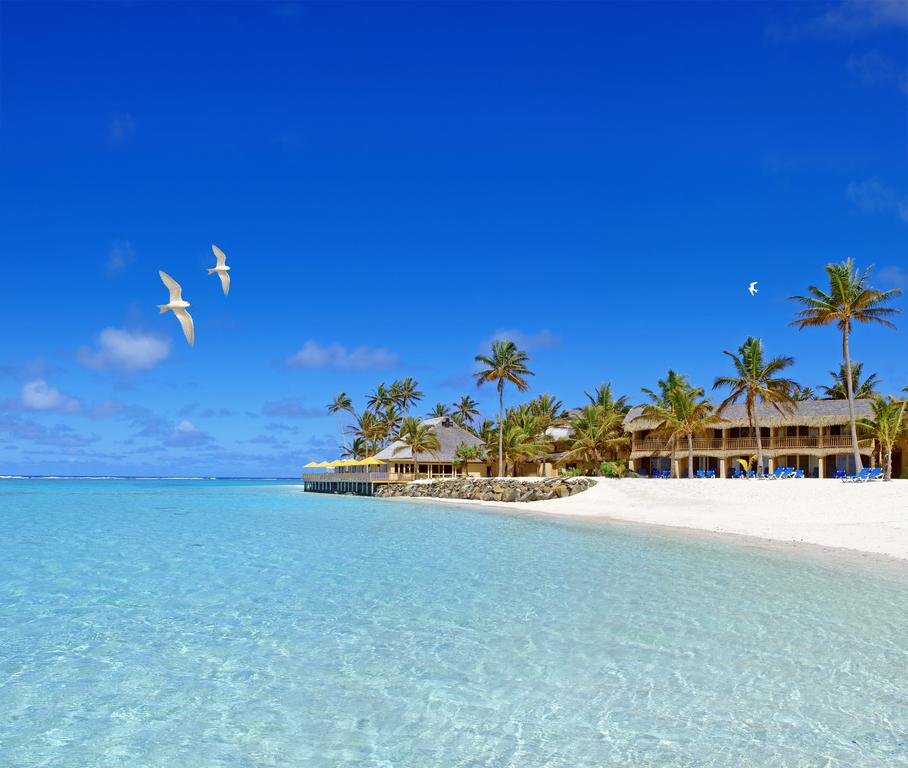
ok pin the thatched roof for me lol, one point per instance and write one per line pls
(809, 413)
(449, 437)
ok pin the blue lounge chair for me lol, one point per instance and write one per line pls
(751, 474)
(711, 474)
(700, 473)
(656, 473)
(799, 473)
(666, 474)
(738, 473)
(875, 474)
(840, 474)
(860, 477)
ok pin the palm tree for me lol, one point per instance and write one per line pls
(597, 433)
(603, 396)
(756, 380)
(517, 442)
(380, 398)
(406, 393)
(463, 454)
(465, 410)
(419, 438)
(681, 414)
(673, 382)
(390, 419)
(341, 403)
(547, 409)
(505, 364)
(801, 394)
(369, 428)
(357, 450)
(887, 425)
(849, 300)
(862, 390)
(439, 410)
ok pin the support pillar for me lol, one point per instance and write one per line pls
(821, 467)
(723, 467)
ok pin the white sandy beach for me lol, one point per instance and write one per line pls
(865, 517)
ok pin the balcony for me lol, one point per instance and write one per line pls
(661, 445)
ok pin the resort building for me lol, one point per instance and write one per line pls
(815, 437)
(396, 464)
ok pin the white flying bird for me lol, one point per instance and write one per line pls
(752, 288)
(178, 306)
(221, 268)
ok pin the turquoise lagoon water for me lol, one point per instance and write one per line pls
(231, 624)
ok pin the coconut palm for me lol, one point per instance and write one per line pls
(439, 410)
(506, 364)
(597, 433)
(463, 454)
(418, 437)
(357, 450)
(369, 427)
(517, 443)
(547, 409)
(756, 380)
(465, 410)
(380, 398)
(849, 300)
(801, 394)
(674, 381)
(887, 426)
(390, 418)
(603, 396)
(681, 413)
(406, 393)
(340, 404)
(862, 390)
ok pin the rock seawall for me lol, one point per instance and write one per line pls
(489, 489)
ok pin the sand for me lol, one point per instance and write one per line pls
(864, 517)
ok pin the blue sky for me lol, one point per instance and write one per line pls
(395, 185)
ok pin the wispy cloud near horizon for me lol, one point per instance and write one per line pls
(314, 355)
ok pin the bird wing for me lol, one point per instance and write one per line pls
(186, 321)
(752, 286)
(225, 282)
(176, 293)
(219, 255)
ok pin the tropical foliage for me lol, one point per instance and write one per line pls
(848, 301)
(418, 438)
(887, 425)
(756, 381)
(862, 389)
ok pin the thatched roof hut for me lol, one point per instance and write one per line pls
(449, 437)
(808, 413)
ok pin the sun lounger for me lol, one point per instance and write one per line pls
(738, 473)
(860, 477)
(798, 473)
(666, 474)
(875, 474)
(711, 474)
(700, 473)
(840, 474)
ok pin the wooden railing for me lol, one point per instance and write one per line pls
(370, 477)
(660, 445)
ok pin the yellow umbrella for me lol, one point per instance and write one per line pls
(311, 465)
(349, 463)
(371, 462)
(335, 463)
(323, 464)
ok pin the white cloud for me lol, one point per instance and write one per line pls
(126, 350)
(122, 127)
(314, 355)
(122, 254)
(873, 196)
(38, 395)
(186, 433)
(543, 339)
(854, 16)
(893, 275)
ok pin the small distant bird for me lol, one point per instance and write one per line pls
(178, 306)
(752, 288)
(221, 268)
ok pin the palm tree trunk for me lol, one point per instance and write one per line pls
(340, 426)
(759, 442)
(690, 455)
(500, 432)
(888, 465)
(672, 459)
(850, 390)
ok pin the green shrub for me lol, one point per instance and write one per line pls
(611, 469)
(573, 472)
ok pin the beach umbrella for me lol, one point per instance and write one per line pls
(371, 462)
(311, 465)
(335, 463)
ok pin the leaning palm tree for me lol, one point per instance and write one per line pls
(682, 414)
(756, 380)
(390, 419)
(849, 300)
(888, 425)
(439, 410)
(505, 364)
(406, 393)
(465, 410)
(357, 450)
(341, 403)
(861, 390)
(419, 438)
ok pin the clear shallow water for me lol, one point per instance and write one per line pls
(242, 624)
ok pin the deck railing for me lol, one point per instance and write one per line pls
(660, 445)
(371, 477)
